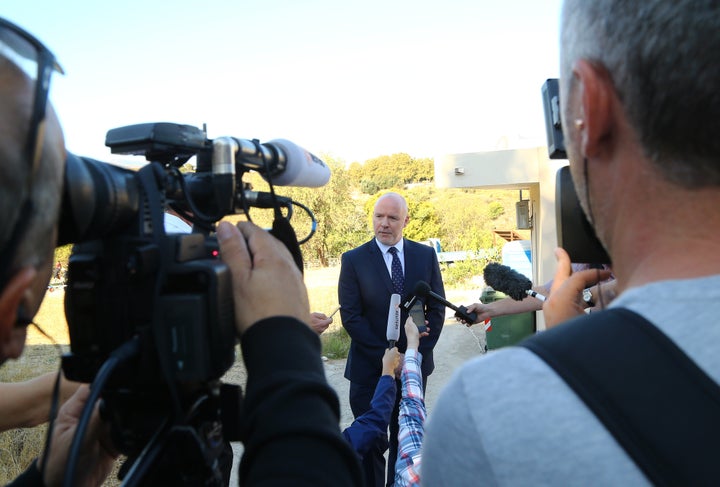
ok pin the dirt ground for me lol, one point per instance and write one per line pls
(456, 345)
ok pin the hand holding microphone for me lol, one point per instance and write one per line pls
(422, 289)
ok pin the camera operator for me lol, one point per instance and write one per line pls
(640, 104)
(33, 155)
(291, 414)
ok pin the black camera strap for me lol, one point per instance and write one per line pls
(150, 177)
(283, 231)
(657, 403)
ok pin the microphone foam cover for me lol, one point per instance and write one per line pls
(303, 168)
(421, 289)
(507, 280)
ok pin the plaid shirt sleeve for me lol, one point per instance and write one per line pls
(412, 420)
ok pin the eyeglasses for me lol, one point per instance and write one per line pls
(38, 63)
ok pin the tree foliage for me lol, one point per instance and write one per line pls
(463, 219)
(396, 170)
(340, 222)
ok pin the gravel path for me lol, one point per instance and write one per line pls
(456, 345)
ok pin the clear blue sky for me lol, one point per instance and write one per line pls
(353, 79)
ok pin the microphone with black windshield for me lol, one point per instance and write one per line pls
(422, 289)
(508, 281)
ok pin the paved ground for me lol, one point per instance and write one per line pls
(456, 345)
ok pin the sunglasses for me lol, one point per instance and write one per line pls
(38, 63)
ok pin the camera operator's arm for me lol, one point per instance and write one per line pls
(96, 460)
(291, 414)
(27, 404)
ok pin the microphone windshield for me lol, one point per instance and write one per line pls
(421, 289)
(506, 280)
(302, 168)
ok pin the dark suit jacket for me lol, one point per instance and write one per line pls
(364, 291)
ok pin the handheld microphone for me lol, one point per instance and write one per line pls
(408, 301)
(422, 289)
(393, 323)
(508, 281)
(288, 163)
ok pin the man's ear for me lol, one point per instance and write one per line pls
(10, 299)
(596, 91)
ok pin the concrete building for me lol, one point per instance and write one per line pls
(529, 170)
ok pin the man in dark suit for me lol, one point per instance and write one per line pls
(365, 285)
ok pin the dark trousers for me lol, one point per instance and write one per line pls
(373, 462)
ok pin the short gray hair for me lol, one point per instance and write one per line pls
(663, 57)
(46, 189)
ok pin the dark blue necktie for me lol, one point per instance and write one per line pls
(397, 273)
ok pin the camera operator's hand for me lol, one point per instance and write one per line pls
(266, 280)
(565, 299)
(97, 454)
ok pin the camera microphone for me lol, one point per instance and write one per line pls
(288, 164)
(284, 162)
(508, 281)
(422, 289)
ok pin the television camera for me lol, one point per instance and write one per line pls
(151, 314)
(574, 232)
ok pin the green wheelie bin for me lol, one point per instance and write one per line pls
(506, 330)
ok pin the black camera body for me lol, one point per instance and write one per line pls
(172, 295)
(575, 234)
(129, 279)
(151, 314)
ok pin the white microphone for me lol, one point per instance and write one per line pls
(288, 163)
(393, 324)
(302, 168)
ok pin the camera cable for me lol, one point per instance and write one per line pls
(119, 356)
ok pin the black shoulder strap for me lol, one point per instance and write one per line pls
(660, 407)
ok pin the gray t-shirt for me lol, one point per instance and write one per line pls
(506, 418)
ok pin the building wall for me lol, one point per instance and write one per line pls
(527, 169)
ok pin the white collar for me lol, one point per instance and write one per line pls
(384, 248)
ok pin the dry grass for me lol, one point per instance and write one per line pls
(19, 447)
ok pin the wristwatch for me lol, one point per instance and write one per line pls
(587, 297)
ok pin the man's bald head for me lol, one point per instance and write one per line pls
(18, 184)
(390, 216)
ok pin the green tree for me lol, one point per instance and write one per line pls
(495, 210)
(424, 221)
(396, 170)
(340, 222)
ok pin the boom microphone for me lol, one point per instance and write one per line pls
(507, 280)
(285, 163)
(393, 324)
(302, 168)
(422, 289)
